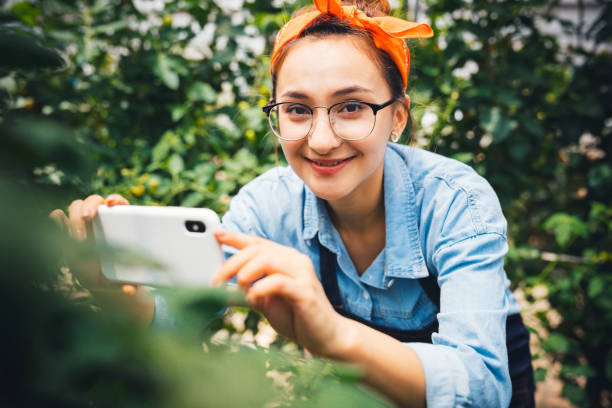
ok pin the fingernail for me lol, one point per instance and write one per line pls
(86, 213)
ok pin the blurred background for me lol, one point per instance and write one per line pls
(160, 101)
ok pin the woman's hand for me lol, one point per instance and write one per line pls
(135, 300)
(78, 226)
(281, 283)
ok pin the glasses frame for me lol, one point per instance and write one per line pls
(374, 106)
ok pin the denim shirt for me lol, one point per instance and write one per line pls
(441, 216)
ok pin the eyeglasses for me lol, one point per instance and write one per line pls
(349, 120)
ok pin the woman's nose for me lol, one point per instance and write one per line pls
(322, 138)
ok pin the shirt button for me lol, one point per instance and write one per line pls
(390, 283)
(366, 295)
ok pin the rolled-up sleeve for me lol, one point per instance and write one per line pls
(467, 364)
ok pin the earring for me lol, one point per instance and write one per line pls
(394, 136)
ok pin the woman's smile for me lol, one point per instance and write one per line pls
(329, 166)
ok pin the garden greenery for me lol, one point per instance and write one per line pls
(160, 101)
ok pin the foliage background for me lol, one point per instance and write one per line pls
(160, 101)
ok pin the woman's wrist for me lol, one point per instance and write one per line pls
(345, 340)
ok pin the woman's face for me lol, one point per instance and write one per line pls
(321, 72)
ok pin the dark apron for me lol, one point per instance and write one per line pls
(517, 336)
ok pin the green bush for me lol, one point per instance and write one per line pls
(125, 106)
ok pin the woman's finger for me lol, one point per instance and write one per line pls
(59, 217)
(274, 285)
(235, 263)
(237, 240)
(115, 199)
(257, 267)
(77, 223)
(90, 206)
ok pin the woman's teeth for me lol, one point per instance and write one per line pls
(329, 164)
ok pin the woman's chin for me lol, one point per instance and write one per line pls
(327, 193)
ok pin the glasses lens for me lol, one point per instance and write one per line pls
(290, 121)
(352, 120)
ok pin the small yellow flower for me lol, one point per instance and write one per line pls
(138, 190)
(250, 135)
(153, 185)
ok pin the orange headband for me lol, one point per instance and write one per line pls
(388, 32)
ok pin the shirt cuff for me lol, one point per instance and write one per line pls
(446, 378)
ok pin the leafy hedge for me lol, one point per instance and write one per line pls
(160, 101)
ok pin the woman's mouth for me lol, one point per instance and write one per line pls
(328, 167)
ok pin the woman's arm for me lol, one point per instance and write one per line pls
(282, 284)
(388, 366)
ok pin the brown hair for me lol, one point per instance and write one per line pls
(327, 25)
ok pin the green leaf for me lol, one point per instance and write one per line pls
(577, 370)
(194, 199)
(464, 157)
(26, 12)
(493, 121)
(600, 176)
(26, 52)
(178, 111)
(176, 164)
(111, 28)
(163, 69)
(539, 374)
(254, 117)
(575, 394)
(201, 91)
(347, 372)
(557, 343)
(566, 228)
(162, 148)
(596, 287)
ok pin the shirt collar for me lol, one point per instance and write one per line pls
(403, 257)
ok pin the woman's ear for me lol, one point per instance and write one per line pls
(400, 115)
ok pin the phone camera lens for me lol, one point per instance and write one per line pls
(195, 226)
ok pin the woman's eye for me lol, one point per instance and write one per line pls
(351, 107)
(297, 110)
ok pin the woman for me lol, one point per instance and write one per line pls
(365, 251)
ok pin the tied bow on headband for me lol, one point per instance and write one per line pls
(387, 32)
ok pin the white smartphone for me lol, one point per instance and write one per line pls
(177, 242)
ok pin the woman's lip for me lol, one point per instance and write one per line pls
(327, 166)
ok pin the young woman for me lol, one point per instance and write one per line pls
(363, 250)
